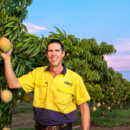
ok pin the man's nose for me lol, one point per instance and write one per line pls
(53, 52)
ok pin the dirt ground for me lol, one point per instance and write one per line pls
(26, 120)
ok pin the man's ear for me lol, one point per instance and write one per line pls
(63, 54)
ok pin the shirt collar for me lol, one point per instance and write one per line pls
(63, 71)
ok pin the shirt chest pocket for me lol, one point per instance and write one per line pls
(64, 94)
(40, 90)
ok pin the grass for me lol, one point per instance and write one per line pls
(122, 113)
(24, 110)
(115, 118)
(108, 122)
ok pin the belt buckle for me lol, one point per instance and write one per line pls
(54, 127)
(48, 127)
(64, 124)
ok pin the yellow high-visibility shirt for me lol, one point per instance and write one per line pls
(55, 98)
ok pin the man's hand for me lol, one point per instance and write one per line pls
(85, 115)
(12, 80)
(6, 55)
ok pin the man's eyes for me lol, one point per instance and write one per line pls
(57, 50)
(52, 51)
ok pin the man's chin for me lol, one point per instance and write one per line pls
(54, 65)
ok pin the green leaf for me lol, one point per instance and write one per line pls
(0, 112)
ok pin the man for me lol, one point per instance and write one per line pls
(57, 90)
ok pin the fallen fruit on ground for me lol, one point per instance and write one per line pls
(5, 44)
(6, 96)
(94, 108)
(27, 97)
(6, 128)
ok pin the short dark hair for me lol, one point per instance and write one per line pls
(55, 41)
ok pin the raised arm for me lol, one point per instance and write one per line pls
(12, 80)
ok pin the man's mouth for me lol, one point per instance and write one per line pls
(53, 59)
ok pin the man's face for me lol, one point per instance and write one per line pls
(55, 54)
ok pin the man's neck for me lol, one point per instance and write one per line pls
(56, 70)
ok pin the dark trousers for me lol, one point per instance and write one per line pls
(68, 127)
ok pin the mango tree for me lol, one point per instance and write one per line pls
(115, 90)
(12, 13)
